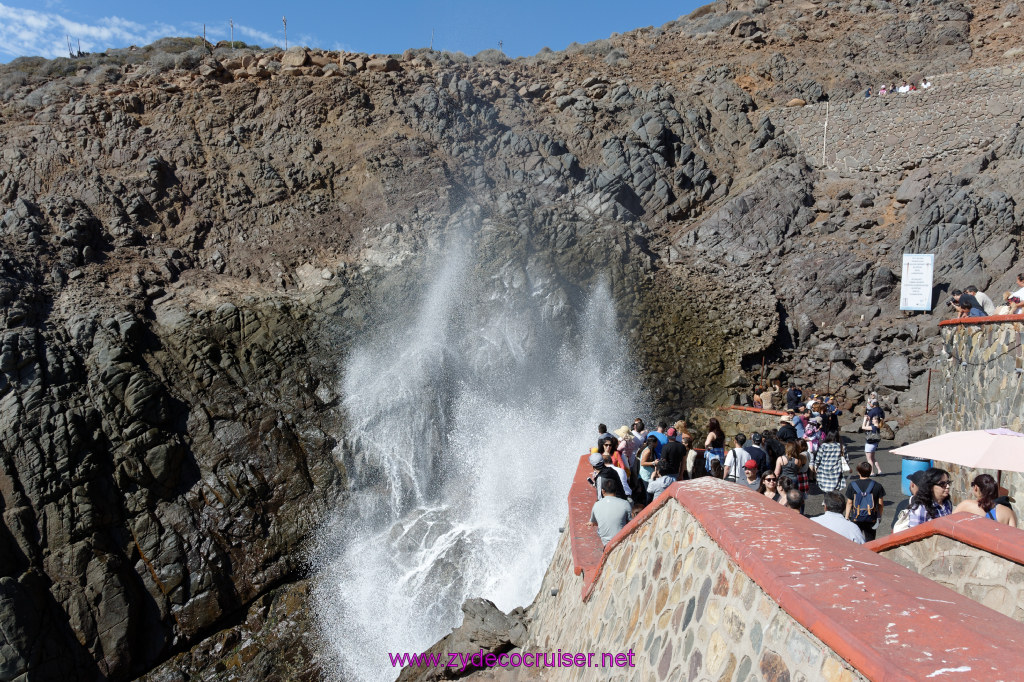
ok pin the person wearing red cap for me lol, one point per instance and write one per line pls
(750, 478)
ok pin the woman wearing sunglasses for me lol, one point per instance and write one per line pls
(770, 487)
(932, 498)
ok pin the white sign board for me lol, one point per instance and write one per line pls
(916, 286)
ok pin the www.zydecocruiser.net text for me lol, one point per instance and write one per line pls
(528, 659)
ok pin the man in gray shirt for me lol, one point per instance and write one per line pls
(833, 519)
(611, 513)
(986, 303)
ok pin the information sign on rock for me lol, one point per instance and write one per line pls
(916, 284)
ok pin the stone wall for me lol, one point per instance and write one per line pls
(677, 599)
(988, 579)
(712, 581)
(960, 116)
(745, 420)
(982, 387)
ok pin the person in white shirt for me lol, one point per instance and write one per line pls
(735, 459)
(833, 519)
(1015, 299)
(986, 303)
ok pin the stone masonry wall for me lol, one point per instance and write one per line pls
(982, 387)
(960, 116)
(674, 597)
(988, 579)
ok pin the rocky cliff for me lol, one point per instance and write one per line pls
(192, 234)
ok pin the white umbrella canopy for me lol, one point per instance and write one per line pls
(1001, 449)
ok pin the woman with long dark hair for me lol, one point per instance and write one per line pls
(770, 487)
(931, 500)
(714, 444)
(984, 503)
(793, 465)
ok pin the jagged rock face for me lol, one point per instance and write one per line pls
(189, 240)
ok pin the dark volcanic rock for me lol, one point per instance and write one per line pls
(188, 242)
(484, 628)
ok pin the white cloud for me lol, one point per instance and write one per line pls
(25, 32)
(257, 36)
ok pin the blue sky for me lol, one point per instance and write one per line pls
(39, 27)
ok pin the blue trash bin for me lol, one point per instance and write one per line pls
(910, 465)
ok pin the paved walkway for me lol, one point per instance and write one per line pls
(891, 479)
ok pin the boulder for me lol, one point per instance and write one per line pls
(383, 65)
(295, 56)
(893, 371)
(484, 627)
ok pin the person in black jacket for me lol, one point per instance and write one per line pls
(794, 397)
(787, 432)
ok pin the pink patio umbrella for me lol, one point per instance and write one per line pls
(1000, 449)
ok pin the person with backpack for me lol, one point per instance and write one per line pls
(865, 501)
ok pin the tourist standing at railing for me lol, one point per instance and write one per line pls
(786, 432)
(660, 480)
(865, 501)
(648, 460)
(987, 305)
(833, 519)
(793, 465)
(931, 501)
(602, 471)
(794, 397)
(714, 443)
(756, 452)
(613, 461)
(736, 458)
(627, 446)
(1015, 299)
(674, 453)
(694, 461)
(770, 487)
(873, 425)
(749, 477)
(611, 513)
(799, 421)
(986, 491)
(774, 447)
(639, 430)
(968, 305)
(827, 462)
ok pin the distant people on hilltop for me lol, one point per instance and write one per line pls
(901, 90)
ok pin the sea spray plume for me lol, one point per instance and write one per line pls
(397, 386)
(473, 410)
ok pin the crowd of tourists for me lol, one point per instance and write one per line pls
(893, 89)
(634, 465)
